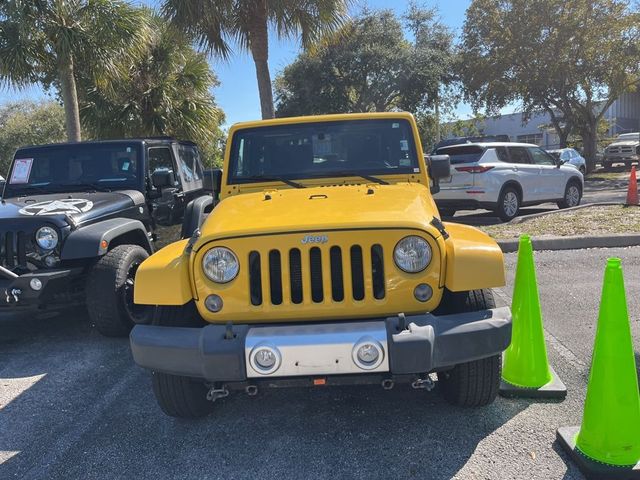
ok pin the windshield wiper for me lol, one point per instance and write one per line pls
(84, 186)
(291, 183)
(347, 173)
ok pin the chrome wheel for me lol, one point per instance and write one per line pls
(510, 204)
(572, 196)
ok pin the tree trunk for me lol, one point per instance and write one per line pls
(259, 45)
(70, 99)
(590, 144)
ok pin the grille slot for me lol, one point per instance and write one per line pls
(337, 285)
(377, 269)
(255, 279)
(295, 275)
(315, 263)
(357, 273)
(275, 277)
(9, 251)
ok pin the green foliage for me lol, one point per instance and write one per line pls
(28, 123)
(369, 65)
(570, 58)
(41, 42)
(166, 91)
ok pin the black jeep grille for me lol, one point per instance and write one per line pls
(13, 249)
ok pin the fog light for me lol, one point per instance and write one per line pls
(265, 359)
(368, 353)
(213, 303)
(423, 292)
(35, 284)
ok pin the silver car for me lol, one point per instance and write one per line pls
(570, 157)
(504, 177)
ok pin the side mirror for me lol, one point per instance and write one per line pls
(560, 162)
(212, 181)
(163, 178)
(439, 167)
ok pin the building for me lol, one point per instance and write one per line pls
(623, 116)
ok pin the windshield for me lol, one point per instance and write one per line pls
(323, 149)
(629, 137)
(69, 167)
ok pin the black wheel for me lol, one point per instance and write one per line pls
(446, 212)
(178, 396)
(109, 293)
(572, 195)
(607, 165)
(471, 384)
(508, 204)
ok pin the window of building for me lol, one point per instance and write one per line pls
(533, 138)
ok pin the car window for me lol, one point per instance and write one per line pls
(160, 159)
(462, 153)
(540, 157)
(502, 153)
(189, 159)
(518, 155)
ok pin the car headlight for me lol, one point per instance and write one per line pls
(47, 238)
(220, 264)
(412, 254)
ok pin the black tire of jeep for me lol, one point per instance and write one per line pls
(501, 209)
(178, 396)
(570, 195)
(109, 291)
(471, 384)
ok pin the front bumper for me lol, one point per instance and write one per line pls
(428, 343)
(18, 292)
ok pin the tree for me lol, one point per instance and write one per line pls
(569, 58)
(216, 23)
(45, 41)
(166, 90)
(28, 123)
(369, 65)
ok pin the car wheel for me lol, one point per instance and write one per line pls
(471, 384)
(109, 293)
(447, 212)
(607, 165)
(572, 195)
(508, 204)
(178, 396)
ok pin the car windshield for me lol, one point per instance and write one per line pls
(323, 149)
(462, 153)
(70, 167)
(629, 137)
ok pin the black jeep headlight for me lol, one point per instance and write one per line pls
(412, 254)
(47, 238)
(220, 265)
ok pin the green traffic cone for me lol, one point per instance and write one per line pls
(526, 371)
(607, 445)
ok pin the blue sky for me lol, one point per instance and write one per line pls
(238, 91)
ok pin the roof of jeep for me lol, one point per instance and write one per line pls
(117, 140)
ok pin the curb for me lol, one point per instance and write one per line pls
(574, 243)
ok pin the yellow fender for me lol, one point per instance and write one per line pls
(163, 278)
(474, 259)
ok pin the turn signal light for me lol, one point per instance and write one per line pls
(474, 169)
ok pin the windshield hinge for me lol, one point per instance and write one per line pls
(438, 224)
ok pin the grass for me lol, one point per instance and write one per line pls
(598, 220)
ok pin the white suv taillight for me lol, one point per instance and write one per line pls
(474, 169)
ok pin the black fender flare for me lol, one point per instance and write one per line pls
(194, 215)
(87, 242)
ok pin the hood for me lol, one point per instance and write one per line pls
(402, 205)
(624, 143)
(56, 207)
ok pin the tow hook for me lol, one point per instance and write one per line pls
(388, 383)
(216, 393)
(423, 384)
(251, 390)
(13, 294)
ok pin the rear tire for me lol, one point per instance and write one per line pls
(508, 204)
(471, 384)
(178, 396)
(572, 195)
(109, 292)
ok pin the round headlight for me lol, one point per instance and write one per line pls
(412, 254)
(47, 238)
(220, 265)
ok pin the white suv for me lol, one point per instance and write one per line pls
(504, 177)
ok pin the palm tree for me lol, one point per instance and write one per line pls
(44, 41)
(215, 24)
(165, 91)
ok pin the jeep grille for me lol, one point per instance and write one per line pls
(13, 249)
(333, 269)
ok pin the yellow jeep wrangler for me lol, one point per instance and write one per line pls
(324, 263)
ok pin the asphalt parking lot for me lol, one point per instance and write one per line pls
(73, 405)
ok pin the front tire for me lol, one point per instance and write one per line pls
(109, 293)
(178, 396)
(572, 195)
(508, 204)
(470, 384)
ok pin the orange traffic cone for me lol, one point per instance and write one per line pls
(632, 192)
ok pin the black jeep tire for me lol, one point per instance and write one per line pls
(471, 384)
(109, 292)
(572, 195)
(177, 396)
(508, 204)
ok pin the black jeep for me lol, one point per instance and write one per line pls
(77, 219)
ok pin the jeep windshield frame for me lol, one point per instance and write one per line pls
(100, 166)
(367, 149)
